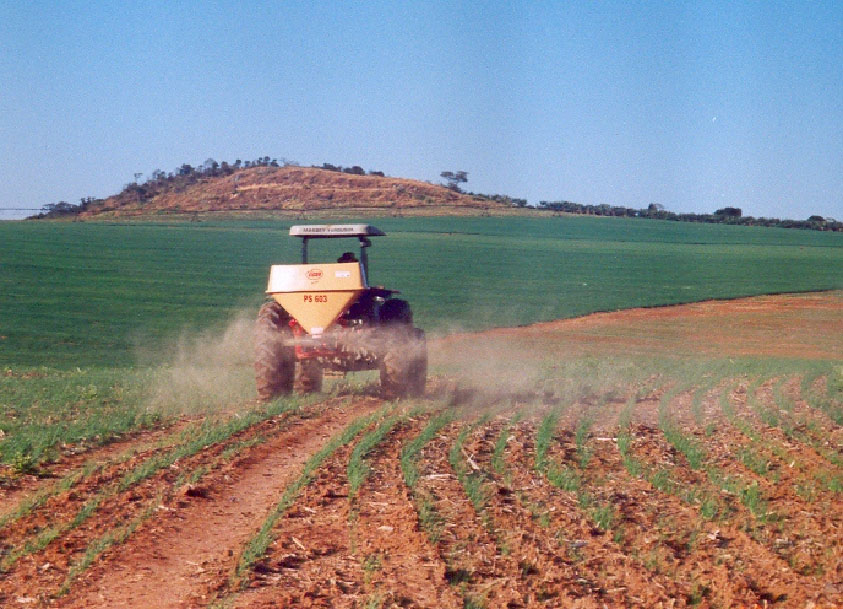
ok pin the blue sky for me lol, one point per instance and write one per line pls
(693, 105)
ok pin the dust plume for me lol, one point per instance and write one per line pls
(206, 370)
(499, 369)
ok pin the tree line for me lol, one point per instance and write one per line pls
(726, 215)
(186, 175)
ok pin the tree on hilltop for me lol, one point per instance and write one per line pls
(454, 179)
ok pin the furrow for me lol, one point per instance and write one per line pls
(717, 562)
(485, 571)
(403, 567)
(605, 572)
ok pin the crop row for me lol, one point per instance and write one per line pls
(71, 522)
(530, 508)
(527, 511)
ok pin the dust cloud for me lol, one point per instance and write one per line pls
(204, 371)
(495, 370)
(211, 370)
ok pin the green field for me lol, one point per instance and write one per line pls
(81, 294)
(107, 327)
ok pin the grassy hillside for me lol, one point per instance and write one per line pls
(80, 294)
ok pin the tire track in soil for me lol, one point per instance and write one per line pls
(596, 413)
(646, 411)
(468, 548)
(406, 569)
(681, 409)
(607, 417)
(192, 547)
(777, 580)
(310, 564)
(606, 575)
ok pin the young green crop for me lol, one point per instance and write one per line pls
(67, 482)
(831, 402)
(581, 437)
(680, 440)
(430, 520)
(259, 543)
(46, 408)
(473, 483)
(624, 440)
(544, 437)
(358, 468)
(108, 540)
(498, 461)
(410, 453)
(151, 281)
(120, 534)
(87, 470)
(207, 434)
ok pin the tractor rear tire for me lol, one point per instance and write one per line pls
(274, 361)
(403, 366)
(309, 377)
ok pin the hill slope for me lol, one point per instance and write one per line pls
(284, 188)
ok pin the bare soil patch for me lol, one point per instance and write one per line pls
(791, 325)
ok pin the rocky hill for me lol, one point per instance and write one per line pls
(294, 189)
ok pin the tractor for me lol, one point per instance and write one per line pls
(325, 318)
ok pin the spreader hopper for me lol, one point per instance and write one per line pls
(315, 295)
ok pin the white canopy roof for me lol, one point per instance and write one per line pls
(335, 230)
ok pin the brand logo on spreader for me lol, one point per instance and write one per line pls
(314, 275)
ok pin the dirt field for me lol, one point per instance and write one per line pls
(721, 493)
